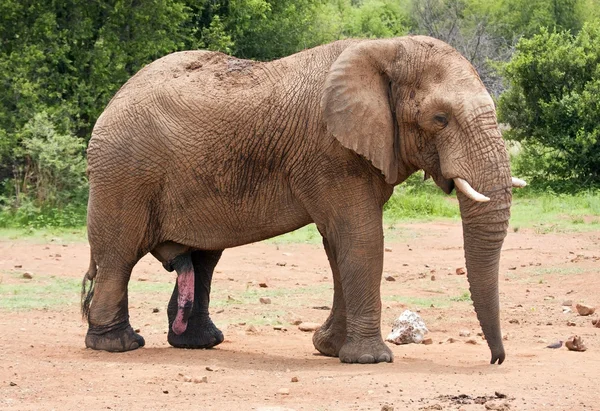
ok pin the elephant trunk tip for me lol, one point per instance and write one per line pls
(498, 356)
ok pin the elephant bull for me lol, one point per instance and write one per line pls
(200, 151)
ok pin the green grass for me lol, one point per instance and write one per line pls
(38, 293)
(546, 213)
(438, 301)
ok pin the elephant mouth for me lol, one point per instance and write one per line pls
(446, 184)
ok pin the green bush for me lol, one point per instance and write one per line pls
(553, 107)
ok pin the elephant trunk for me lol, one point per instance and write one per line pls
(484, 228)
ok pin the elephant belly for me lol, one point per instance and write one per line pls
(225, 221)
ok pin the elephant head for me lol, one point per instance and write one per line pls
(415, 103)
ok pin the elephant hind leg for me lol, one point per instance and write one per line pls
(108, 318)
(200, 332)
(330, 338)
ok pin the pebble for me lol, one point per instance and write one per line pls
(281, 264)
(433, 278)
(251, 329)
(471, 341)
(571, 323)
(461, 271)
(575, 343)
(197, 380)
(567, 303)
(209, 368)
(596, 323)
(389, 278)
(294, 379)
(448, 340)
(265, 300)
(263, 285)
(583, 309)
(18, 266)
(464, 333)
(283, 391)
(309, 326)
(296, 322)
(427, 341)
(388, 249)
(155, 310)
(387, 407)
(27, 275)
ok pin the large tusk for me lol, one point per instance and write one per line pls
(517, 182)
(469, 191)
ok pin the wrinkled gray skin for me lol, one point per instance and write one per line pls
(199, 152)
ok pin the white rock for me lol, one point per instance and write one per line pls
(408, 328)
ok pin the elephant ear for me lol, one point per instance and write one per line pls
(356, 104)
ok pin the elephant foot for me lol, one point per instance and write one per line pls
(329, 339)
(198, 334)
(117, 338)
(366, 351)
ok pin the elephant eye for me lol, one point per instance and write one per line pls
(441, 119)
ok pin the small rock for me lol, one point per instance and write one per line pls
(427, 341)
(389, 278)
(433, 278)
(321, 307)
(461, 271)
(283, 391)
(251, 329)
(294, 379)
(567, 303)
(155, 310)
(408, 328)
(282, 264)
(506, 337)
(575, 343)
(220, 311)
(307, 327)
(27, 275)
(512, 268)
(13, 384)
(279, 328)
(57, 255)
(387, 407)
(497, 406)
(265, 300)
(514, 321)
(142, 279)
(137, 330)
(464, 333)
(263, 285)
(296, 322)
(449, 340)
(18, 265)
(571, 323)
(584, 310)
(209, 368)
(471, 341)
(555, 345)
(596, 323)
(388, 249)
(187, 378)
(197, 380)
(566, 310)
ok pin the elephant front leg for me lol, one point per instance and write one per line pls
(199, 330)
(358, 253)
(330, 338)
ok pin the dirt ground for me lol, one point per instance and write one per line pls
(44, 363)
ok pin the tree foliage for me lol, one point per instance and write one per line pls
(553, 104)
(62, 61)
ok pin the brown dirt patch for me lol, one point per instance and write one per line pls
(44, 365)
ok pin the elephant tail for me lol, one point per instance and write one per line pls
(87, 293)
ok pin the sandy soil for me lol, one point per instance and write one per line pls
(44, 365)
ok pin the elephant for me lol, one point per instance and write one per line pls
(200, 151)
